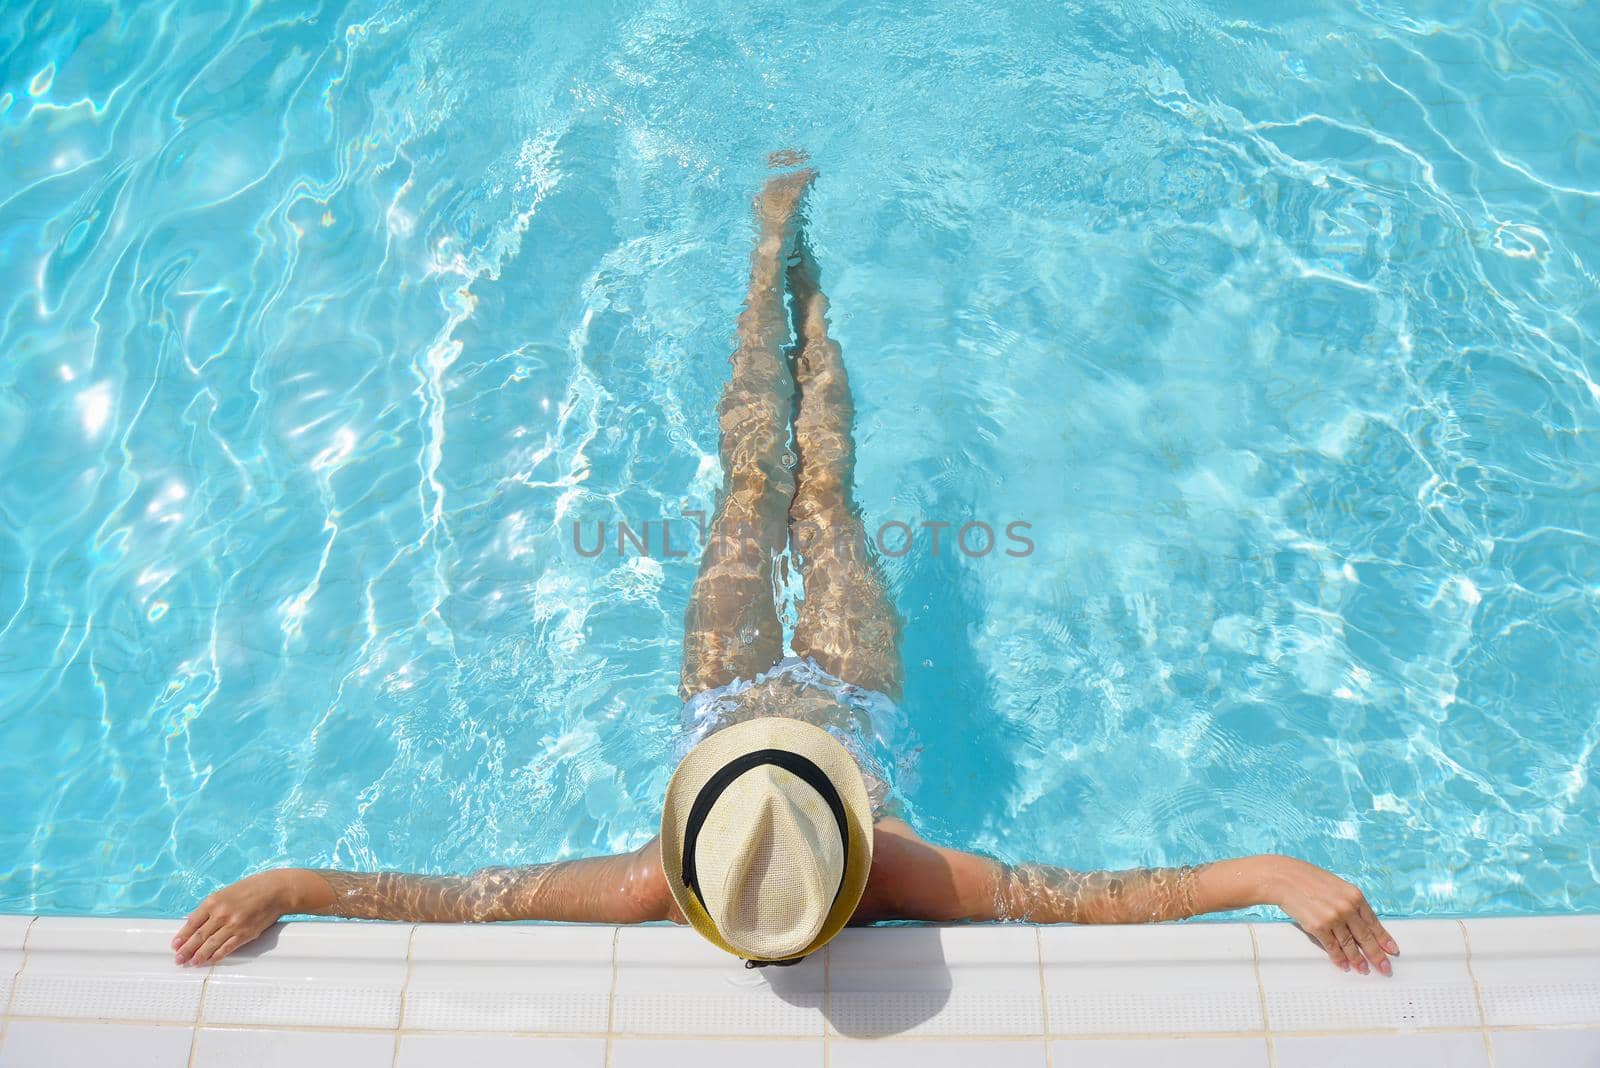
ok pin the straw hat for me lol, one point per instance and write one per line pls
(766, 838)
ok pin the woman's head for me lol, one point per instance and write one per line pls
(766, 838)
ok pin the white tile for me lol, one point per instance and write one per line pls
(670, 981)
(313, 974)
(1458, 1050)
(1538, 970)
(945, 1053)
(1541, 1049)
(1159, 1053)
(13, 932)
(93, 968)
(715, 1053)
(244, 1048)
(1169, 979)
(1430, 987)
(499, 1051)
(509, 978)
(54, 1044)
(935, 981)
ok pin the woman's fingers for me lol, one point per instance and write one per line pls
(1357, 943)
(1390, 946)
(228, 947)
(1331, 946)
(196, 920)
(1367, 937)
(209, 951)
(1352, 949)
(198, 939)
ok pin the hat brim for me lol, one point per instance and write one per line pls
(768, 732)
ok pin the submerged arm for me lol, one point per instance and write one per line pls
(626, 888)
(613, 889)
(914, 879)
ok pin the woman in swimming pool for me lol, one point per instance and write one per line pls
(780, 824)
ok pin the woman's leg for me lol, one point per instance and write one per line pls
(846, 622)
(731, 630)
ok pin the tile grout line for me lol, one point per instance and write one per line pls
(16, 981)
(611, 998)
(1044, 995)
(1261, 996)
(1477, 994)
(199, 1013)
(405, 987)
(1544, 1027)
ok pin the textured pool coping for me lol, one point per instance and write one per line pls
(1500, 992)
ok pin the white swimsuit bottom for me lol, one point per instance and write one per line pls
(866, 722)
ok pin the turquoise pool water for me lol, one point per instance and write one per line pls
(321, 325)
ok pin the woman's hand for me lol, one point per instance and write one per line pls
(1333, 912)
(236, 915)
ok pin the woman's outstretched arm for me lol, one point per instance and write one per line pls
(913, 879)
(626, 888)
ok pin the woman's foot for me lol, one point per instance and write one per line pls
(778, 205)
(786, 157)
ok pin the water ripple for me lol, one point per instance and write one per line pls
(324, 322)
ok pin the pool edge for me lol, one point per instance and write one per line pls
(1496, 991)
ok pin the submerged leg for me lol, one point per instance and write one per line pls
(846, 623)
(732, 630)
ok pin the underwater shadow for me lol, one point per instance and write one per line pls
(966, 769)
